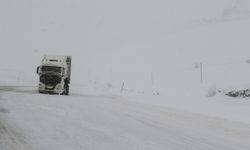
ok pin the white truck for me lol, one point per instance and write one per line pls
(54, 74)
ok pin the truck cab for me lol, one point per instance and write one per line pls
(54, 74)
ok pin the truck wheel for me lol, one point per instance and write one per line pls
(66, 89)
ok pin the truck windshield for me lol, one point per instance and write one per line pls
(51, 69)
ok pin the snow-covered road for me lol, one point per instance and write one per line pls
(33, 121)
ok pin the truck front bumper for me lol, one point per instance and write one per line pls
(58, 89)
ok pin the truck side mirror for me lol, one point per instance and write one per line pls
(37, 69)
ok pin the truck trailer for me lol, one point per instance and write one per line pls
(54, 74)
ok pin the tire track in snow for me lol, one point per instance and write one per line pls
(8, 140)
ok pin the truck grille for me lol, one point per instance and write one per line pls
(50, 80)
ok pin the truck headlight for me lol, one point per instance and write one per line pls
(41, 86)
(59, 86)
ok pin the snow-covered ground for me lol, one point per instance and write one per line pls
(98, 121)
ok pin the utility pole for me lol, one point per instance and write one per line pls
(110, 80)
(122, 87)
